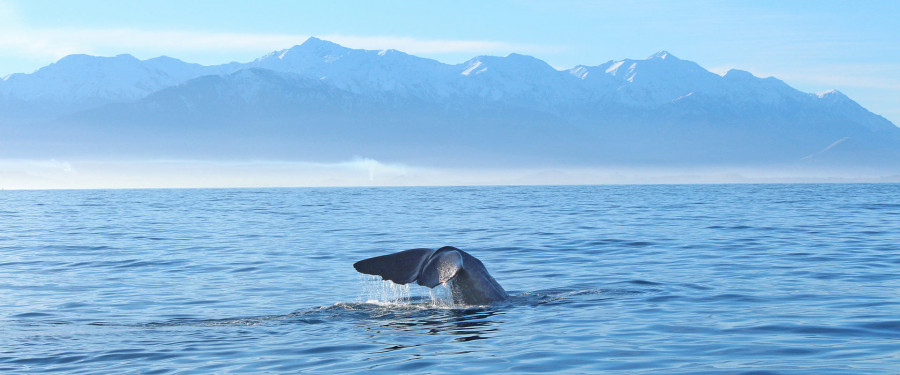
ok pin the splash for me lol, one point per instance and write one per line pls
(386, 293)
(441, 297)
(383, 292)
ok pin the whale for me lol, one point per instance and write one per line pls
(468, 279)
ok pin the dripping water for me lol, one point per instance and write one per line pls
(387, 293)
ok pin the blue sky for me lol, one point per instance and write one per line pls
(814, 46)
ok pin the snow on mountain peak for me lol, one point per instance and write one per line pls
(658, 80)
(311, 47)
(614, 67)
(513, 63)
(472, 67)
(662, 55)
(581, 72)
(830, 93)
(391, 53)
(83, 80)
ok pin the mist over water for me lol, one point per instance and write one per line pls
(140, 174)
(793, 278)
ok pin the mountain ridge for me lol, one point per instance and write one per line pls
(377, 103)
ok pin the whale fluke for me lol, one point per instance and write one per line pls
(441, 267)
(469, 281)
(401, 268)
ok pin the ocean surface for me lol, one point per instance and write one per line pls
(674, 279)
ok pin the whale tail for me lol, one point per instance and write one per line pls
(424, 266)
(441, 267)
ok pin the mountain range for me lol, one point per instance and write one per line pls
(320, 101)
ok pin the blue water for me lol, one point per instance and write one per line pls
(629, 279)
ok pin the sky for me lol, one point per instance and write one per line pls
(813, 46)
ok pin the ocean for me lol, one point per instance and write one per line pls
(644, 279)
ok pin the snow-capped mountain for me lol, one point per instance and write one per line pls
(654, 81)
(320, 99)
(78, 82)
(358, 71)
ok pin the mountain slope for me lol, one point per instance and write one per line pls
(78, 82)
(319, 100)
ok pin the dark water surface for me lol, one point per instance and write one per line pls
(630, 279)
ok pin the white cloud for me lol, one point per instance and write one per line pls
(58, 42)
(9, 16)
(422, 46)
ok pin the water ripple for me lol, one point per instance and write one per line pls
(705, 279)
